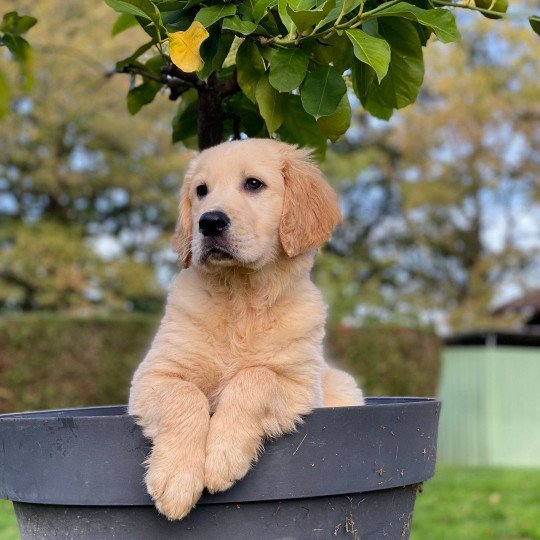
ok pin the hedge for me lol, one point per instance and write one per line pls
(53, 361)
(388, 360)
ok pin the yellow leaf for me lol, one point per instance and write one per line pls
(184, 47)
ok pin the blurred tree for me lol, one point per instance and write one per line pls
(452, 227)
(470, 169)
(362, 168)
(87, 197)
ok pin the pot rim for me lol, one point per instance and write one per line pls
(371, 401)
(71, 457)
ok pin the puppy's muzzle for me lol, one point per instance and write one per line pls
(214, 223)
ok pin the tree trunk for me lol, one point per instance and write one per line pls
(210, 116)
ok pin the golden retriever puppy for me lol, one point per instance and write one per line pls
(238, 356)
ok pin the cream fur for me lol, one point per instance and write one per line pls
(238, 355)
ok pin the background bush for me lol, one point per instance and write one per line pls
(388, 360)
(61, 361)
(52, 361)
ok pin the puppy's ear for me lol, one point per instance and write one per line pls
(183, 233)
(310, 207)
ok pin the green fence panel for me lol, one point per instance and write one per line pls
(491, 406)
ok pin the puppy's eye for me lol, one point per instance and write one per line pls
(253, 184)
(202, 190)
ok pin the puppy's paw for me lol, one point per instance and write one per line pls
(226, 463)
(175, 489)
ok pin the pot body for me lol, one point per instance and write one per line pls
(348, 472)
(385, 514)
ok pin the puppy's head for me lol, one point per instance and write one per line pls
(243, 203)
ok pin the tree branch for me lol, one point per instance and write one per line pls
(177, 74)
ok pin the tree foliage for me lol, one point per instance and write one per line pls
(239, 67)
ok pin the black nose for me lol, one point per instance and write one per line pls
(213, 223)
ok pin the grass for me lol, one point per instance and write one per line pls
(458, 504)
(479, 504)
(8, 523)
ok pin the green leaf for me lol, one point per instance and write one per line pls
(236, 24)
(322, 91)
(18, 47)
(371, 50)
(270, 103)
(22, 53)
(405, 74)
(365, 87)
(171, 6)
(534, 21)
(288, 68)
(342, 51)
(184, 123)
(25, 23)
(139, 8)
(336, 50)
(261, 7)
(346, 5)
(300, 128)
(441, 21)
(207, 16)
(142, 95)
(304, 5)
(306, 18)
(284, 16)
(13, 23)
(124, 21)
(423, 32)
(172, 12)
(495, 6)
(208, 50)
(250, 67)
(5, 95)
(225, 48)
(192, 3)
(269, 25)
(362, 77)
(336, 124)
(177, 24)
(252, 123)
(245, 11)
(214, 51)
(371, 27)
(150, 28)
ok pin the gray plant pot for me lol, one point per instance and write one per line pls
(350, 473)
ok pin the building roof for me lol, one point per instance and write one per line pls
(495, 338)
(528, 305)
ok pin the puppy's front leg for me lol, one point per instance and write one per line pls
(175, 414)
(256, 403)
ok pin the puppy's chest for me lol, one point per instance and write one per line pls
(236, 333)
(245, 333)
